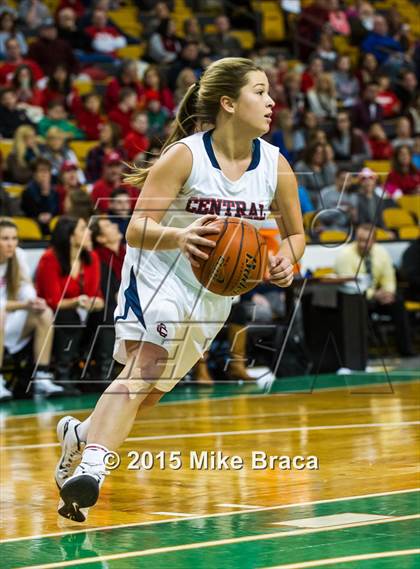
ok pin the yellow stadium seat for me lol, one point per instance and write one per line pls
(409, 232)
(412, 306)
(14, 190)
(333, 235)
(307, 219)
(411, 204)
(82, 147)
(246, 38)
(53, 222)
(380, 167)
(395, 217)
(6, 147)
(27, 228)
(132, 51)
(382, 235)
(83, 87)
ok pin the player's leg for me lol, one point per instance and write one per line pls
(110, 424)
(5, 394)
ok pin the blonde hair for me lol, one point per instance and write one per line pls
(13, 273)
(19, 143)
(201, 103)
(328, 79)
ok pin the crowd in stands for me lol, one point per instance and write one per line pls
(345, 86)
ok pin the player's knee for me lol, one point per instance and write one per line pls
(47, 316)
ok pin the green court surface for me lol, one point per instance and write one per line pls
(244, 540)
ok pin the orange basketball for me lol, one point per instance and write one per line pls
(237, 264)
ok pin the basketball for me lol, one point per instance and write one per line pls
(237, 264)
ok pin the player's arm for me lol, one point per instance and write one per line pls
(163, 183)
(287, 213)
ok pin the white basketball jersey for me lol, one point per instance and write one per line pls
(209, 191)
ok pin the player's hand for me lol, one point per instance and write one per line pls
(280, 270)
(193, 236)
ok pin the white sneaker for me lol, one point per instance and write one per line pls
(81, 491)
(5, 394)
(43, 385)
(71, 449)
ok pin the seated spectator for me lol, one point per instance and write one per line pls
(312, 20)
(49, 50)
(222, 43)
(337, 203)
(413, 113)
(325, 50)
(305, 201)
(105, 38)
(403, 134)
(194, 33)
(367, 111)
(68, 278)
(40, 199)
(361, 16)
(24, 151)
(69, 31)
(380, 147)
(404, 178)
(137, 142)
(416, 152)
(370, 200)
(322, 98)
(154, 88)
(157, 117)
(23, 314)
(13, 60)
(9, 206)
(112, 178)
(11, 115)
(8, 30)
(184, 81)
(337, 19)
(56, 151)
(311, 73)
(316, 170)
(318, 136)
(346, 85)
(24, 85)
(367, 259)
(120, 207)
(33, 14)
(164, 45)
(189, 58)
(127, 77)
(306, 130)
(367, 69)
(410, 270)
(349, 143)
(294, 98)
(88, 116)
(68, 181)
(109, 141)
(59, 88)
(78, 203)
(57, 117)
(76, 5)
(407, 89)
(285, 137)
(122, 115)
(386, 98)
(379, 42)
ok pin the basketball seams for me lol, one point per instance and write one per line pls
(213, 249)
(238, 257)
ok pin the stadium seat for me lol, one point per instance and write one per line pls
(382, 235)
(380, 167)
(307, 219)
(82, 147)
(410, 232)
(6, 147)
(333, 235)
(134, 51)
(411, 204)
(395, 217)
(14, 190)
(53, 222)
(27, 228)
(246, 38)
(412, 306)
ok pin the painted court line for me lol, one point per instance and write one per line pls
(224, 514)
(246, 506)
(240, 395)
(214, 543)
(237, 433)
(331, 520)
(348, 559)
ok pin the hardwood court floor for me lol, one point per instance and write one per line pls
(360, 509)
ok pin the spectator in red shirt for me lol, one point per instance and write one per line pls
(127, 77)
(75, 5)
(386, 98)
(68, 278)
(13, 60)
(68, 181)
(123, 113)
(59, 88)
(380, 147)
(49, 50)
(136, 142)
(112, 178)
(106, 39)
(25, 88)
(88, 116)
(109, 141)
(155, 88)
(309, 76)
(404, 178)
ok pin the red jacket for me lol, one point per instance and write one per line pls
(102, 191)
(89, 123)
(381, 149)
(8, 69)
(135, 143)
(164, 96)
(407, 183)
(52, 285)
(122, 119)
(113, 92)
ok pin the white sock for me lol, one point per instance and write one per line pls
(83, 429)
(94, 454)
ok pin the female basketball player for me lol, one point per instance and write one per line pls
(165, 320)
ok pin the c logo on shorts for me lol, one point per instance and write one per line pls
(162, 330)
